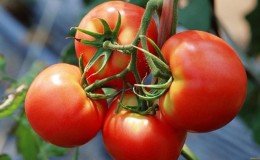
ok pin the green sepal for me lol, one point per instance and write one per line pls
(92, 34)
(94, 43)
(100, 53)
(151, 110)
(107, 30)
(118, 24)
(83, 81)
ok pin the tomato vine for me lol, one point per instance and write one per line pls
(186, 81)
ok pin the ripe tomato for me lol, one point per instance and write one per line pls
(130, 21)
(59, 111)
(209, 85)
(131, 136)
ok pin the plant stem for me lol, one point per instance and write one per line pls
(124, 48)
(151, 7)
(76, 155)
(188, 154)
(175, 17)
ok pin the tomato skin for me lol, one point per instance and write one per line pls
(209, 86)
(59, 111)
(130, 21)
(129, 136)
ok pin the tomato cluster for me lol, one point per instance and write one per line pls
(67, 107)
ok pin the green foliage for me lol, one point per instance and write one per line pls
(31, 146)
(196, 15)
(12, 101)
(68, 54)
(253, 20)
(141, 3)
(5, 157)
(26, 141)
(250, 113)
(2, 63)
(16, 92)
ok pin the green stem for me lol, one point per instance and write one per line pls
(159, 69)
(124, 48)
(188, 154)
(151, 7)
(101, 82)
(76, 155)
(175, 17)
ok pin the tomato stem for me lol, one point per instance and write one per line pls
(175, 17)
(151, 7)
(114, 46)
(76, 154)
(188, 154)
(158, 65)
(101, 82)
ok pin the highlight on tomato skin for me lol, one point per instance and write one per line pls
(131, 16)
(210, 82)
(58, 109)
(129, 136)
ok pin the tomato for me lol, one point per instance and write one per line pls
(131, 16)
(129, 136)
(209, 85)
(59, 111)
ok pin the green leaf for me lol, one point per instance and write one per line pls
(16, 93)
(53, 151)
(196, 15)
(253, 20)
(250, 112)
(2, 63)
(68, 54)
(26, 142)
(141, 3)
(5, 157)
(9, 105)
(31, 146)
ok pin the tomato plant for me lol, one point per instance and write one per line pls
(198, 85)
(129, 135)
(59, 111)
(209, 85)
(116, 61)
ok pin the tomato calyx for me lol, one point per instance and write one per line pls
(159, 69)
(141, 107)
(106, 43)
(151, 110)
(107, 35)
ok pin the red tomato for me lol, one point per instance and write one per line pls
(131, 136)
(209, 85)
(131, 16)
(59, 111)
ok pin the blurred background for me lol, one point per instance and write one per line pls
(33, 35)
